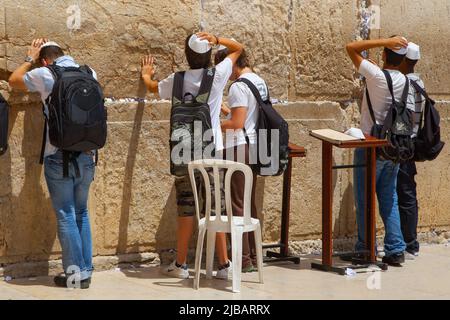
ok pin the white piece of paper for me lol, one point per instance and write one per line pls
(356, 133)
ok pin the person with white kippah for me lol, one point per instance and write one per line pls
(198, 50)
(69, 195)
(406, 184)
(395, 49)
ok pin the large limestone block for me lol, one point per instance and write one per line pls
(112, 37)
(306, 177)
(321, 68)
(263, 27)
(27, 218)
(134, 177)
(425, 23)
(433, 181)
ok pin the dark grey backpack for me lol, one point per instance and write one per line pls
(190, 119)
(428, 142)
(269, 121)
(397, 128)
(77, 118)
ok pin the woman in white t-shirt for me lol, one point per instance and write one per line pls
(240, 138)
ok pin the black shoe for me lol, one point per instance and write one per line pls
(352, 256)
(395, 260)
(61, 281)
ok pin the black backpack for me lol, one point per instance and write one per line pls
(428, 141)
(397, 127)
(4, 119)
(268, 120)
(190, 113)
(76, 114)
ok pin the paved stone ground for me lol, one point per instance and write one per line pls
(428, 277)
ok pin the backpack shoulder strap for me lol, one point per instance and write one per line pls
(252, 88)
(405, 91)
(44, 141)
(178, 85)
(420, 90)
(56, 71)
(87, 69)
(205, 88)
(369, 105)
(389, 83)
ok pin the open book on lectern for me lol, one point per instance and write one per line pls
(337, 137)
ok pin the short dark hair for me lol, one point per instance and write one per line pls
(197, 60)
(220, 56)
(242, 62)
(392, 58)
(411, 63)
(51, 52)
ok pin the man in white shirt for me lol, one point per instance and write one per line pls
(241, 137)
(386, 172)
(406, 184)
(198, 53)
(69, 195)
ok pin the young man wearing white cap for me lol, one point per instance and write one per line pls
(198, 50)
(69, 195)
(386, 171)
(241, 140)
(406, 185)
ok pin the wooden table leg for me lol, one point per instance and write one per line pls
(286, 209)
(370, 216)
(327, 202)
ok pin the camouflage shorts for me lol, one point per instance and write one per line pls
(185, 195)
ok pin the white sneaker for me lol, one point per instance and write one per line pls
(224, 274)
(175, 272)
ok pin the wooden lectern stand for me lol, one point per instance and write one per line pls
(329, 139)
(283, 255)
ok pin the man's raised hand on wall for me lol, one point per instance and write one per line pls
(35, 48)
(147, 72)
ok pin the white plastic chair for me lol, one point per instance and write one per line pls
(225, 224)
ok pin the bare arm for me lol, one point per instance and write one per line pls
(234, 48)
(225, 110)
(16, 79)
(237, 121)
(147, 73)
(355, 49)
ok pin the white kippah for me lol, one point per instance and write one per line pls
(199, 46)
(50, 44)
(413, 51)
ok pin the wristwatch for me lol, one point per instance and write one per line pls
(29, 59)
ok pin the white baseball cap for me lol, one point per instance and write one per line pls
(50, 44)
(413, 51)
(199, 46)
(402, 51)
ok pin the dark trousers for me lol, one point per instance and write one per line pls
(408, 205)
(241, 154)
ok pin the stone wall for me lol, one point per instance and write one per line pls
(297, 46)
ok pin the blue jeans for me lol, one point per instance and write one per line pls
(70, 200)
(386, 183)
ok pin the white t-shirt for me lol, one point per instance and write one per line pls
(416, 102)
(379, 93)
(241, 96)
(192, 83)
(41, 80)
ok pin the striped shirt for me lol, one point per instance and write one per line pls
(416, 102)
